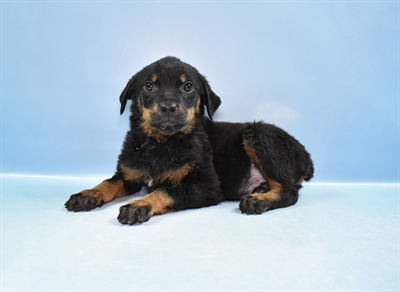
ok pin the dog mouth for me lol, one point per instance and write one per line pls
(169, 127)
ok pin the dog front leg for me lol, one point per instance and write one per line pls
(106, 191)
(138, 211)
(174, 198)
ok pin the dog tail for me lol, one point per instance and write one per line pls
(310, 170)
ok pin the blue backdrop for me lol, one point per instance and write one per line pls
(327, 72)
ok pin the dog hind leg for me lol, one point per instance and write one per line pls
(267, 196)
(282, 161)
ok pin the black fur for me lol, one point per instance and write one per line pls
(187, 160)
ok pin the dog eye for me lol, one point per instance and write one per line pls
(148, 86)
(188, 87)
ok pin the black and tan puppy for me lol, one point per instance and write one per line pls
(185, 160)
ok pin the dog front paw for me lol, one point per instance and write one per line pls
(251, 205)
(80, 202)
(135, 212)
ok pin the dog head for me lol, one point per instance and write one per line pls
(169, 94)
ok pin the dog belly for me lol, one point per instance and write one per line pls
(254, 179)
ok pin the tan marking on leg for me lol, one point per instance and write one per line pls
(274, 194)
(251, 152)
(159, 201)
(270, 196)
(111, 190)
(106, 191)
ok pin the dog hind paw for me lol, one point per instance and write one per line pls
(251, 205)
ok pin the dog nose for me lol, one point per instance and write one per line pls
(168, 108)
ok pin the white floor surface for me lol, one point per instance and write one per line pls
(338, 237)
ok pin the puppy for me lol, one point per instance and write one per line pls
(185, 160)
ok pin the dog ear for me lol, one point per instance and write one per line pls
(126, 93)
(209, 98)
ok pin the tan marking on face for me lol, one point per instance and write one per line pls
(156, 109)
(191, 121)
(191, 118)
(147, 128)
(158, 135)
(146, 118)
(106, 191)
(274, 194)
(198, 105)
(146, 115)
(183, 78)
(139, 105)
(191, 114)
(154, 77)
